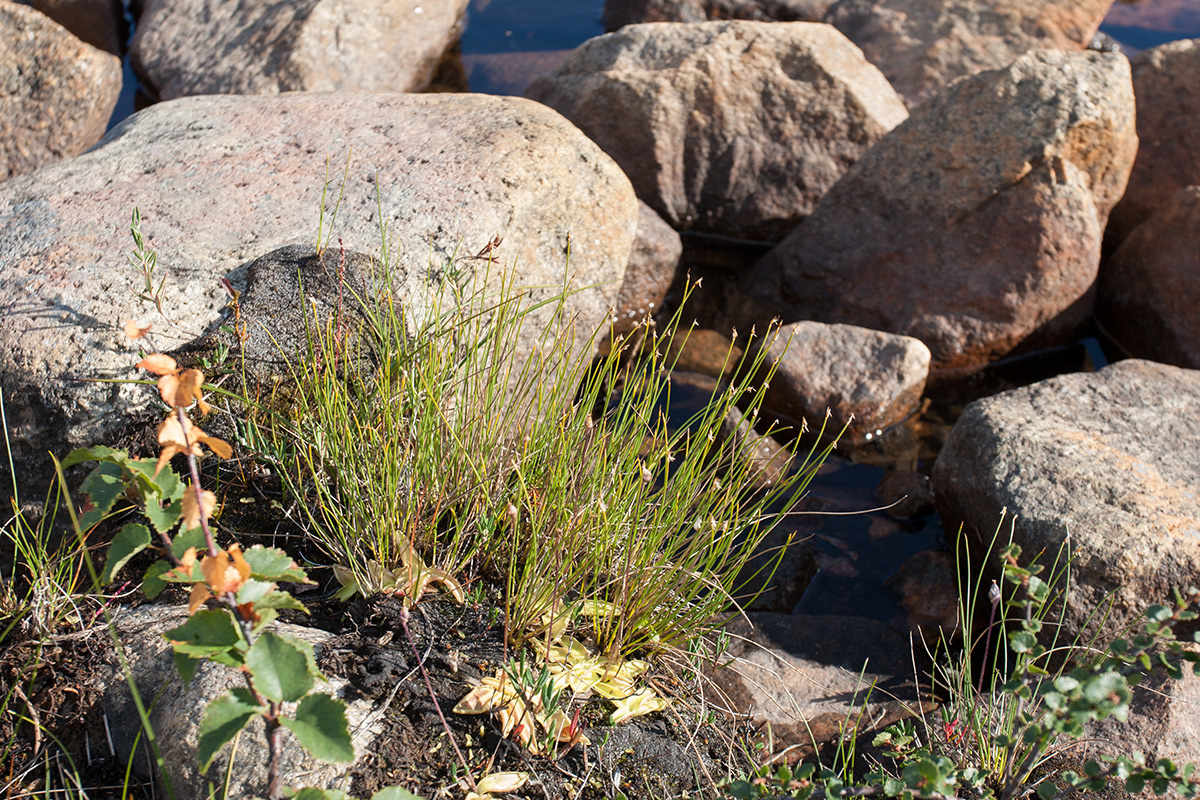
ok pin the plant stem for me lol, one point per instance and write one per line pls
(274, 753)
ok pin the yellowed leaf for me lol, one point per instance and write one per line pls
(239, 562)
(135, 331)
(194, 509)
(219, 446)
(636, 705)
(159, 364)
(502, 782)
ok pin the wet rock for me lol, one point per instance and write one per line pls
(906, 494)
(56, 92)
(1096, 456)
(782, 567)
(928, 587)
(734, 128)
(190, 47)
(1166, 81)
(865, 379)
(651, 271)
(175, 712)
(627, 12)
(509, 73)
(804, 676)
(100, 23)
(978, 221)
(222, 180)
(923, 45)
(1149, 293)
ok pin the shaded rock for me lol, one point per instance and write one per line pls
(176, 711)
(922, 45)
(1166, 81)
(190, 47)
(976, 222)
(222, 180)
(627, 12)
(906, 494)
(865, 379)
(804, 676)
(734, 128)
(1149, 290)
(56, 92)
(651, 271)
(704, 351)
(100, 23)
(1095, 456)
(928, 587)
(510, 73)
(769, 461)
(782, 567)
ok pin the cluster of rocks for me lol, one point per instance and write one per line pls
(937, 185)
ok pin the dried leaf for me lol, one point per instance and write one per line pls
(194, 509)
(159, 364)
(135, 331)
(182, 388)
(219, 446)
(200, 593)
(222, 573)
(502, 782)
(636, 705)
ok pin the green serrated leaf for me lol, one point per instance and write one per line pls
(320, 725)
(210, 633)
(97, 453)
(129, 541)
(223, 719)
(272, 564)
(103, 486)
(1022, 642)
(153, 584)
(166, 483)
(279, 669)
(253, 591)
(185, 539)
(163, 518)
(279, 599)
(310, 793)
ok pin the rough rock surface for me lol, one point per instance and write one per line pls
(922, 45)
(100, 23)
(222, 180)
(626, 12)
(876, 378)
(190, 47)
(1162, 723)
(1149, 290)
(977, 221)
(56, 92)
(651, 271)
(1100, 456)
(803, 675)
(1166, 81)
(735, 128)
(176, 711)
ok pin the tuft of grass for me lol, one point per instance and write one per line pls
(473, 445)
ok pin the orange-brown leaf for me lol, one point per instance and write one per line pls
(181, 389)
(159, 364)
(222, 576)
(135, 331)
(239, 562)
(218, 446)
(193, 509)
(199, 594)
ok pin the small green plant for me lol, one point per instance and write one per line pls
(1021, 720)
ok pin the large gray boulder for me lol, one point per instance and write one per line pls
(1099, 463)
(176, 709)
(1166, 81)
(734, 128)
(222, 180)
(189, 47)
(922, 45)
(56, 92)
(978, 220)
(1149, 290)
